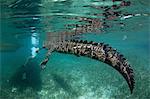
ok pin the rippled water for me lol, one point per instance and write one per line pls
(27, 24)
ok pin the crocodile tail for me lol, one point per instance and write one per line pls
(102, 52)
(117, 61)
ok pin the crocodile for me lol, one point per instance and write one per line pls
(99, 51)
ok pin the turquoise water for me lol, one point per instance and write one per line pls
(26, 24)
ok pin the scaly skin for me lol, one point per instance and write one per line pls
(98, 51)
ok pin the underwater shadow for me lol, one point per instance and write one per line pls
(61, 82)
(27, 76)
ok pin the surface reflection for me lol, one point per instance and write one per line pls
(35, 43)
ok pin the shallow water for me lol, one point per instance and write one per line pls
(26, 24)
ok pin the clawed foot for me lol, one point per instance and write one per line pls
(43, 63)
